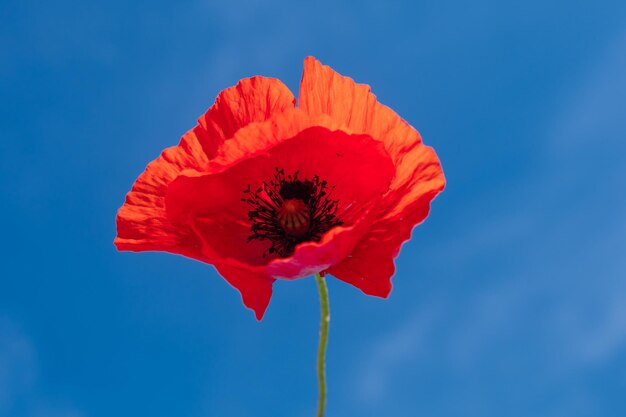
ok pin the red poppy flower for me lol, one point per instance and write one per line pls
(265, 190)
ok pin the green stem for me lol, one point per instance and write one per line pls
(321, 350)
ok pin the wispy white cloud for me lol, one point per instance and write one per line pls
(17, 366)
(594, 113)
(590, 135)
(567, 281)
(389, 353)
(19, 391)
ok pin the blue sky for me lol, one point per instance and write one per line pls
(508, 300)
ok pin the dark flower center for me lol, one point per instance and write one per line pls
(287, 211)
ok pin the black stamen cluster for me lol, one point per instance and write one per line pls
(267, 200)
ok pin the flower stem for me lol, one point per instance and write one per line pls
(321, 350)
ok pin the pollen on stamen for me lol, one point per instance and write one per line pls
(288, 211)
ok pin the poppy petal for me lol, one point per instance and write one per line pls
(418, 178)
(354, 108)
(142, 223)
(370, 266)
(253, 99)
(255, 289)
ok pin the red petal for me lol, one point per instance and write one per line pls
(255, 289)
(253, 99)
(418, 178)
(142, 222)
(371, 265)
(353, 107)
